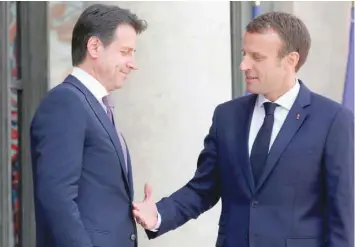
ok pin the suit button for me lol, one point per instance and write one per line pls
(133, 237)
(246, 236)
(254, 203)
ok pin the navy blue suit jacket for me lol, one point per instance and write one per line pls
(305, 195)
(83, 195)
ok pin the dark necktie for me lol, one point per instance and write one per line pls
(109, 106)
(261, 144)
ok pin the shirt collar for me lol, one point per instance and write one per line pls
(93, 85)
(286, 101)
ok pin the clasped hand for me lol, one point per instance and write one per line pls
(146, 212)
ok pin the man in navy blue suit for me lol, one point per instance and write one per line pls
(280, 159)
(81, 165)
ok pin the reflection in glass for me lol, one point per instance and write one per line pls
(13, 40)
(14, 99)
(15, 164)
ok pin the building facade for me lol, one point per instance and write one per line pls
(189, 63)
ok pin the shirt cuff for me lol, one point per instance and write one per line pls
(156, 228)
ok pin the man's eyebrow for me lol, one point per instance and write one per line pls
(254, 53)
(129, 48)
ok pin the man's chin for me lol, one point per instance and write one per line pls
(251, 90)
(119, 85)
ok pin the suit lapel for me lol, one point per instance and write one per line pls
(245, 161)
(129, 169)
(294, 120)
(130, 177)
(120, 148)
(102, 116)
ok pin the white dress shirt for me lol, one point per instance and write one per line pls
(285, 103)
(93, 85)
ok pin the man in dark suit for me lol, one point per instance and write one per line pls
(281, 159)
(82, 172)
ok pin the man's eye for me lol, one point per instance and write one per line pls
(257, 57)
(125, 53)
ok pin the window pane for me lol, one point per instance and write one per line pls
(13, 38)
(14, 104)
(15, 165)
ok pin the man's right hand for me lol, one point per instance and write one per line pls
(146, 212)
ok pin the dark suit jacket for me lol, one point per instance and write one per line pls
(305, 195)
(83, 195)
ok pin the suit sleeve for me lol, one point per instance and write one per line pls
(200, 194)
(339, 167)
(58, 134)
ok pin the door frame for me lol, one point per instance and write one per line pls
(35, 83)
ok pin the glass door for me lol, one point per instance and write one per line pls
(23, 82)
(10, 85)
(15, 99)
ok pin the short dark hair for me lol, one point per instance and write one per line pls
(291, 30)
(101, 21)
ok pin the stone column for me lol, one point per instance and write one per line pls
(165, 108)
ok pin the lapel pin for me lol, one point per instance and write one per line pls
(298, 116)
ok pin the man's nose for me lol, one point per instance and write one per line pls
(244, 65)
(132, 66)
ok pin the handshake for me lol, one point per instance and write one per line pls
(146, 212)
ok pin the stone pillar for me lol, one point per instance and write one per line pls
(165, 108)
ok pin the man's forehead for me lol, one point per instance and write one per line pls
(261, 41)
(126, 36)
(265, 35)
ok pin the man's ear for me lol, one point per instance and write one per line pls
(93, 47)
(292, 60)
